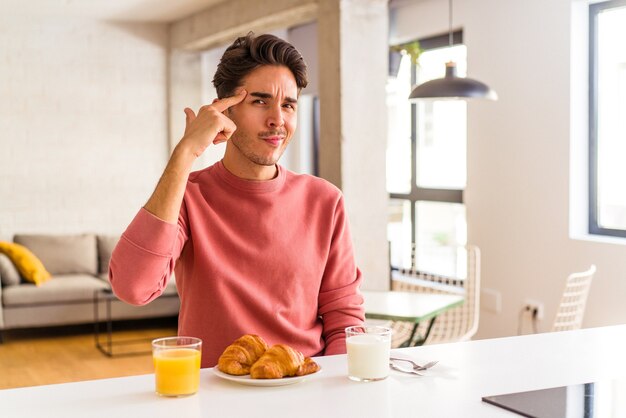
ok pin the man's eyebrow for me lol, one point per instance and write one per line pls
(262, 95)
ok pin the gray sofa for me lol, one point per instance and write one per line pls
(79, 267)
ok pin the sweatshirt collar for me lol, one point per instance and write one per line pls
(251, 186)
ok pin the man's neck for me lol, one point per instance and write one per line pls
(240, 166)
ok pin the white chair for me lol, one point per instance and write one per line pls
(570, 313)
(456, 324)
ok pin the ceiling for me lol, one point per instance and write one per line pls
(117, 10)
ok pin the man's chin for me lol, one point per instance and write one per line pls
(264, 160)
(268, 162)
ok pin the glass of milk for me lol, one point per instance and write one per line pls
(368, 352)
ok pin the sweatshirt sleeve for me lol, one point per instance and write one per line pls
(144, 258)
(340, 303)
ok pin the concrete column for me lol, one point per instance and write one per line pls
(352, 38)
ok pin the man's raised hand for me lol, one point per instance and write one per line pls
(210, 125)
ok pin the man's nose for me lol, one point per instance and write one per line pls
(275, 117)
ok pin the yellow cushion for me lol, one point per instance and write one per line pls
(29, 266)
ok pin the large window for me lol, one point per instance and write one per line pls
(426, 165)
(607, 118)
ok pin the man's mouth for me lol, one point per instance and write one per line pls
(274, 140)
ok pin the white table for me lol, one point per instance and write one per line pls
(413, 307)
(466, 372)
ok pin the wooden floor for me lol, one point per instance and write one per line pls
(68, 354)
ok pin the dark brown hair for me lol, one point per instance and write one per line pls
(250, 52)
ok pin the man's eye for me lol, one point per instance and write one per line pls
(289, 106)
(259, 101)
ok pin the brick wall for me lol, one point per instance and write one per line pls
(83, 135)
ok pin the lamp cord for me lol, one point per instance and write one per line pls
(450, 22)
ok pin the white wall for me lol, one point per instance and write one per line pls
(298, 156)
(304, 38)
(83, 135)
(518, 191)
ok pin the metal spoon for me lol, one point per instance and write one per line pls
(400, 369)
(415, 365)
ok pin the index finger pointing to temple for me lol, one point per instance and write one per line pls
(223, 104)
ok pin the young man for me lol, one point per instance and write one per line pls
(256, 249)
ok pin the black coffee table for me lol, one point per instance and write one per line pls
(107, 347)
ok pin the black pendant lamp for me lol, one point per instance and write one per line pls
(452, 86)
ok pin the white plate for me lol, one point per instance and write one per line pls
(247, 380)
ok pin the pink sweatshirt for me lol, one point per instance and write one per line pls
(272, 258)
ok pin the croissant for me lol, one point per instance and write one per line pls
(308, 367)
(282, 361)
(238, 357)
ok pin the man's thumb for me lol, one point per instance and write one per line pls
(190, 115)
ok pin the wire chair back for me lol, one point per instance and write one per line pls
(571, 310)
(456, 324)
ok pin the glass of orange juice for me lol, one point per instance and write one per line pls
(176, 365)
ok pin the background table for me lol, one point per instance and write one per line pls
(466, 372)
(412, 307)
(107, 296)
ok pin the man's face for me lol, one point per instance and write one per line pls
(267, 117)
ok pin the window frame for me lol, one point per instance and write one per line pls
(422, 193)
(594, 226)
